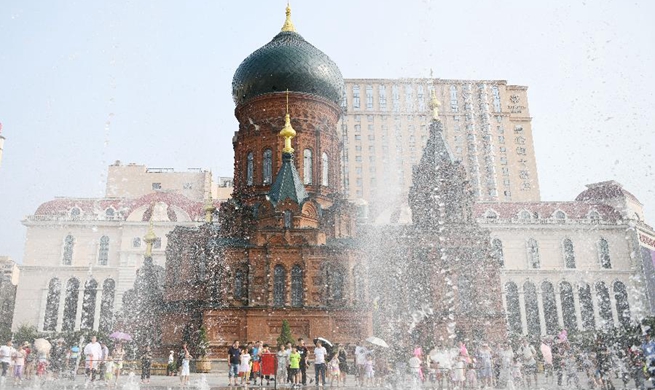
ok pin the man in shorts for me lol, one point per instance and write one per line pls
(360, 361)
(233, 361)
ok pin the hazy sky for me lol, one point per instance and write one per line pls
(85, 83)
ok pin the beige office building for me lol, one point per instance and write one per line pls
(487, 125)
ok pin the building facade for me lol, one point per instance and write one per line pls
(82, 254)
(487, 126)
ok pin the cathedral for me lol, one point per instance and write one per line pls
(283, 247)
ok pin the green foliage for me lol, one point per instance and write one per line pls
(24, 333)
(203, 342)
(285, 334)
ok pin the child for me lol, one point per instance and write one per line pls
(517, 375)
(184, 374)
(368, 371)
(19, 362)
(109, 370)
(42, 365)
(333, 370)
(244, 367)
(294, 366)
(472, 374)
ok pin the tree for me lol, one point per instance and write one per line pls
(285, 334)
(24, 333)
(203, 342)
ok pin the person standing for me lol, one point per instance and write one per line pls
(360, 361)
(93, 354)
(103, 360)
(294, 365)
(184, 374)
(6, 352)
(282, 365)
(29, 361)
(118, 355)
(180, 356)
(170, 366)
(233, 362)
(529, 362)
(58, 357)
(547, 354)
(343, 364)
(319, 363)
(146, 362)
(304, 362)
(19, 362)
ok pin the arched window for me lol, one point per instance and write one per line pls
(325, 180)
(604, 253)
(279, 281)
(250, 169)
(336, 283)
(491, 216)
(569, 253)
(513, 308)
(287, 219)
(268, 166)
(533, 254)
(110, 213)
(560, 216)
(307, 167)
(531, 308)
(217, 288)
(107, 305)
(69, 242)
(568, 306)
(550, 307)
(622, 305)
(497, 251)
(75, 213)
(594, 216)
(525, 215)
(89, 304)
(52, 305)
(103, 251)
(358, 283)
(296, 286)
(70, 305)
(136, 242)
(586, 307)
(240, 285)
(604, 305)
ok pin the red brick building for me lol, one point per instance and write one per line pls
(283, 247)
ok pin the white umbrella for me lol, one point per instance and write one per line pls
(323, 341)
(377, 341)
(42, 345)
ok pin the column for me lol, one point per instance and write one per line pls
(96, 314)
(524, 318)
(542, 315)
(78, 313)
(578, 309)
(594, 301)
(42, 307)
(62, 305)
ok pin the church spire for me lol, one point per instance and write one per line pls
(288, 24)
(287, 131)
(150, 238)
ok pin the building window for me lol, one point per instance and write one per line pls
(89, 304)
(287, 219)
(240, 285)
(550, 308)
(454, 105)
(395, 96)
(156, 186)
(52, 306)
(622, 305)
(279, 280)
(497, 251)
(604, 305)
(268, 166)
(325, 170)
(496, 94)
(594, 216)
(70, 305)
(513, 308)
(75, 213)
(250, 169)
(356, 97)
(568, 306)
(421, 98)
(336, 283)
(69, 242)
(307, 167)
(409, 97)
(157, 243)
(136, 242)
(531, 308)
(187, 186)
(358, 284)
(103, 251)
(586, 307)
(107, 306)
(296, 286)
(110, 214)
(533, 254)
(369, 97)
(382, 92)
(604, 253)
(569, 254)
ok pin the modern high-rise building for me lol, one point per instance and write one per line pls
(487, 126)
